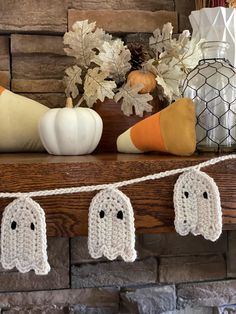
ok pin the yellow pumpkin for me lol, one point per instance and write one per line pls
(146, 78)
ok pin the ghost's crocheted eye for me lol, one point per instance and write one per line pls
(205, 195)
(102, 214)
(120, 214)
(32, 226)
(186, 194)
(13, 225)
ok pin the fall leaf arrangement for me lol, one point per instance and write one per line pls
(103, 67)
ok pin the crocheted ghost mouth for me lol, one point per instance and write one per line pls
(197, 205)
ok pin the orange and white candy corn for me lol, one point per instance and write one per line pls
(172, 130)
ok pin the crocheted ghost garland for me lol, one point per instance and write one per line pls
(23, 237)
(197, 205)
(111, 218)
(111, 226)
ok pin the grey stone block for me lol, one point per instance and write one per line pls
(226, 309)
(153, 300)
(79, 251)
(174, 244)
(231, 254)
(117, 273)
(207, 294)
(58, 277)
(200, 310)
(80, 309)
(142, 38)
(86, 301)
(192, 268)
(38, 310)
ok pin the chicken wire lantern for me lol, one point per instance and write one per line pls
(212, 87)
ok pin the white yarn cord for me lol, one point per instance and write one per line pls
(91, 188)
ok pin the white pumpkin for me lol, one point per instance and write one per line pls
(70, 131)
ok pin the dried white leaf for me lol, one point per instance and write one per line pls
(151, 67)
(191, 55)
(96, 87)
(114, 58)
(71, 79)
(160, 40)
(184, 38)
(169, 78)
(83, 41)
(132, 99)
(174, 58)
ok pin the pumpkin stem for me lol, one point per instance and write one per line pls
(69, 102)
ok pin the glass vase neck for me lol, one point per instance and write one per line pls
(215, 50)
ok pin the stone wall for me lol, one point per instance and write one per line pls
(173, 274)
(32, 59)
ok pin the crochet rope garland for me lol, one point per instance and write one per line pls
(111, 218)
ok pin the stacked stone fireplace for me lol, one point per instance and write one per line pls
(173, 274)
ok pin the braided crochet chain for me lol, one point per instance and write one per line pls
(91, 188)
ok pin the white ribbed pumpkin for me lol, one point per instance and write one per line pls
(70, 131)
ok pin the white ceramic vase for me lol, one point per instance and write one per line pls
(216, 24)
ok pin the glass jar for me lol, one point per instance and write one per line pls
(212, 87)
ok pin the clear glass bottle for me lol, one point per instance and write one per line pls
(212, 87)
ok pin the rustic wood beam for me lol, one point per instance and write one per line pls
(67, 215)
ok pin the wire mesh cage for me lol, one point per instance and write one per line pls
(212, 87)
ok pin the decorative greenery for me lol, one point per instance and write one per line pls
(173, 59)
(131, 98)
(103, 63)
(96, 87)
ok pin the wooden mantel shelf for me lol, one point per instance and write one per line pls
(67, 215)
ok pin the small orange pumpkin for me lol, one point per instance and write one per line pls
(146, 78)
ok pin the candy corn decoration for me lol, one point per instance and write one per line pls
(172, 130)
(19, 118)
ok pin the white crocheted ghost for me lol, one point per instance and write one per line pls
(23, 237)
(111, 226)
(197, 205)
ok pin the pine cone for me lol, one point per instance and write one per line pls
(138, 55)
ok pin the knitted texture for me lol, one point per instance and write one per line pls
(23, 237)
(197, 205)
(111, 226)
